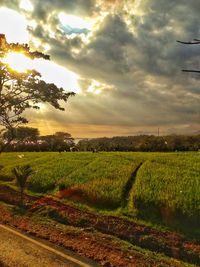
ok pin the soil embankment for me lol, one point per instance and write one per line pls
(166, 242)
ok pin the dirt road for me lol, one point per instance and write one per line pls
(20, 250)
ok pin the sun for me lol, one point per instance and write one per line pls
(17, 61)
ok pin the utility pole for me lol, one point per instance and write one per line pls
(158, 132)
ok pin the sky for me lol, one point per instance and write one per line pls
(120, 57)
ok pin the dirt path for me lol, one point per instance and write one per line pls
(128, 187)
(20, 250)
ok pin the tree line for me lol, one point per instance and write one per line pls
(144, 143)
(29, 139)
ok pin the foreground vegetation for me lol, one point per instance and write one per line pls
(166, 186)
(101, 241)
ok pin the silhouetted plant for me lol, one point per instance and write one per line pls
(22, 173)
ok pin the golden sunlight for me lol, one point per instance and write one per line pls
(20, 63)
(42, 107)
(17, 61)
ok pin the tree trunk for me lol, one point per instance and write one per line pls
(4, 146)
(22, 197)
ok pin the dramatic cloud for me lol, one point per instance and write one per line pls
(127, 61)
(75, 7)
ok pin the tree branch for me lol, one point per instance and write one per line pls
(195, 42)
(196, 71)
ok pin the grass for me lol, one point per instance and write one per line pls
(166, 186)
(170, 185)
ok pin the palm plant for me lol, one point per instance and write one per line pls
(22, 173)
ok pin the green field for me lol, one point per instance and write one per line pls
(166, 186)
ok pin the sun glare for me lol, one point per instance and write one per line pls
(63, 78)
(17, 62)
(26, 5)
(13, 25)
(42, 107)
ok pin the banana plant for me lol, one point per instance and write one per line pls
(22, 174)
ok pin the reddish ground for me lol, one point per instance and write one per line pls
(90, 244)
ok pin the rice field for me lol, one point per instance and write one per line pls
(171, 185)
(166, 184)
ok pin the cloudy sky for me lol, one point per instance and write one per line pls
(120, 56)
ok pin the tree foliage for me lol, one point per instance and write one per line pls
(28, 139)
(60, 141)
(22, 134)
(20, 91)
(145, 143)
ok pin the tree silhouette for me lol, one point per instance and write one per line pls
(22, 134)
(22, 173)
(194, 42)
(20, 91)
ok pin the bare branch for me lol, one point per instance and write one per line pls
(196, 71)
(195, 42)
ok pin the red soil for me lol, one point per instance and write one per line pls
(169, 243)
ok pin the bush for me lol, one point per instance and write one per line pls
(41, 186)
(5, 177)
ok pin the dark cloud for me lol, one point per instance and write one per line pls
(76, 7)
(109, 45)
(163, 23)
(135, 53)
(104, 55)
